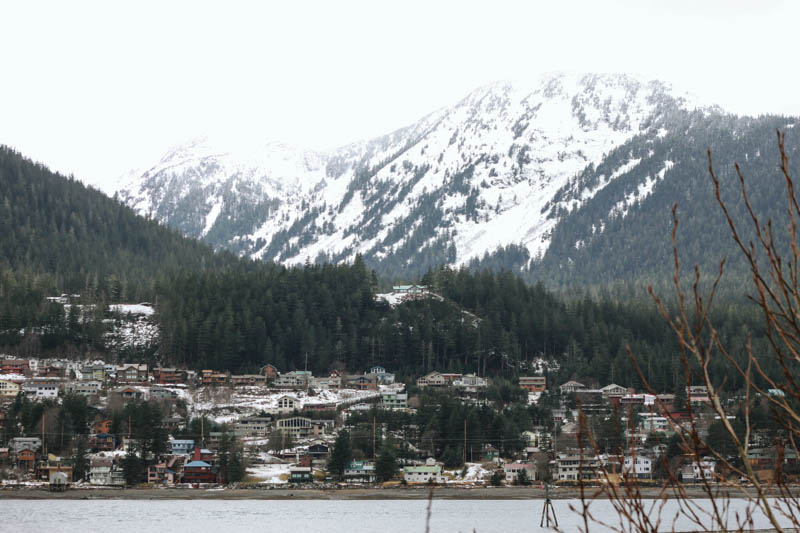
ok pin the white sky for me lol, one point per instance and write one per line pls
(98, 88)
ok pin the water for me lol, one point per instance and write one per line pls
(345, 516)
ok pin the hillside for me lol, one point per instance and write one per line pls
(56, 226)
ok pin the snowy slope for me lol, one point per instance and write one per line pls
(491, 170)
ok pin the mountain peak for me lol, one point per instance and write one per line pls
(457, 184)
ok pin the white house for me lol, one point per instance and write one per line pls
(571, 386)
(638, 466)
(100, 471)
(613, 390)
(287, 404)
(471, 382)
(430, 472)
(41, 389)
(512, 471)
(697, 471)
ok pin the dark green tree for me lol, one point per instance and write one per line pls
(341, 455)
(386, 465)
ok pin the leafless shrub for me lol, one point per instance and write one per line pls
(774, 264)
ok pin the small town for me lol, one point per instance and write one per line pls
(68, 426)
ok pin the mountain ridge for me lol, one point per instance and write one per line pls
(499, 168)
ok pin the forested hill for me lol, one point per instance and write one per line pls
(326, 316)
(69, 237)
(623, 232)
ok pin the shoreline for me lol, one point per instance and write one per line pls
(391, 493)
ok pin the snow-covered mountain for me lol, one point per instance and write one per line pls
(500, 167)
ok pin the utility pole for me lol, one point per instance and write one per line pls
(373, 437)
(465, 441)
(44, 446)
(202, 430)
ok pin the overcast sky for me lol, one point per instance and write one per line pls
(95, 89)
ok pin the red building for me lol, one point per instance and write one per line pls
(26, 459)
(14, 366)
(198, 472)
(169, 376)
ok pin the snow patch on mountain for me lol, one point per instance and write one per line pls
(457, 184)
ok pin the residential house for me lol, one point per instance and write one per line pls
(637, 399)
(287, 404)
(254, 426)
(331, 382)
(161, 474)
(128, 393)
(575, 465)
(361, 382)
(360, 472)
(533, 383)
(15, 366)
(318, 450)
(198, 472)
(394, 400)
(296, 379)
(270, 372)
(410, 289)
(299, 427)
(100, 471)
(181, 447)
(26, 458)
(131, 373)
(760, 458)
(214, 438)
(83, 388)
(695, 471)
(432, 379)
(169, 376)
(638, 466)
(48, 472)
(9, 388)
(93, 372)
(613, 390)
(211, 377)
(512, 471)
(470, 383)
(571, 387)
(162, 393)
(539, 437)
(381, 375)
(103, 442)
(248, 380)
(51, 371)
(301, 474)
(430, 472)
(41, 388)
(697, 394)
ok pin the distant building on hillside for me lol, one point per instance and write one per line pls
(533, 383)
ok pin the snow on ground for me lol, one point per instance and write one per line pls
(134, 309)
(225, 405)
(269, 473)
(139, 333)
(391, 298)
(476, 472)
